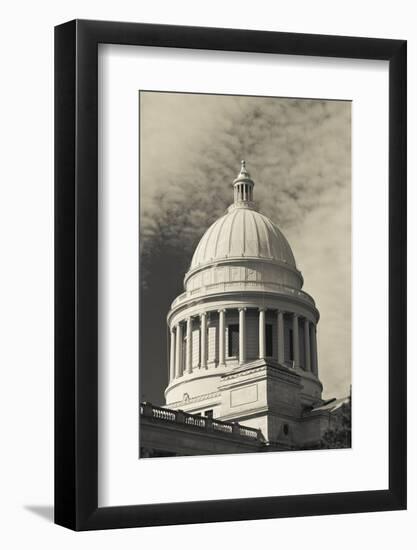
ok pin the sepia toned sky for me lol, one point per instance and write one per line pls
(299, 154)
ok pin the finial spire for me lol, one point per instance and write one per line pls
(243, 171)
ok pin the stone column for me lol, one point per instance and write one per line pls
(280, 341)
(172, 355)
(203, 340)
(242, 335)
(313, 341)
(295, 341)
(222, 330)
(262, 351)
(307, 345)
(178, 352)
(188, 351)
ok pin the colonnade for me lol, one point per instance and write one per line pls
(179, 365)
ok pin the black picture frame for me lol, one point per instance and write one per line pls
(76, 272)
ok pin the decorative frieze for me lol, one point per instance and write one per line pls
(261, 273)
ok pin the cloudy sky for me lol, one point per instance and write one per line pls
(299, 154)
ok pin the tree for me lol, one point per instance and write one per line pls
(339, 435)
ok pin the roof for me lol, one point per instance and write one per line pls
(242, 233)
(333, 404)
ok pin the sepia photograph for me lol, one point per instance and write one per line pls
(245, 274)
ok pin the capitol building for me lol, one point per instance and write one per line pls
(243, 362)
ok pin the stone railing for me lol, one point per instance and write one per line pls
(201, 422)
(242, 286)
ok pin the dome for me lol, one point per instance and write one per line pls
(242, 233)
(242, 308)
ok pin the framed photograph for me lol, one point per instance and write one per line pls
(230, 252)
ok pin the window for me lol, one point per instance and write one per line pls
(268, 340)
(233, 341)
(209, 413)
(286, 429)
(291, 346)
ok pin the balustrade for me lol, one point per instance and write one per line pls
(196, 421)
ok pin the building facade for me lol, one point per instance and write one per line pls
(243, 335)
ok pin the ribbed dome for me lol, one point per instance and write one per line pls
(242, 233)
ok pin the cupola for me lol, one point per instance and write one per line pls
(243, 188)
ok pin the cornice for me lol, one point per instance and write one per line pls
(191, 400)
(233, 299)
(259, 369)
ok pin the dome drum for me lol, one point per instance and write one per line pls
(214, 343)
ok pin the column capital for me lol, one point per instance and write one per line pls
(242, 308)
(295, 315)
(262, 308)
(203, 314)
(222, 310)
